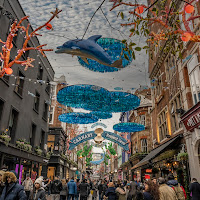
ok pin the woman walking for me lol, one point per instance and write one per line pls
(64, 191)
(151, 191)
(132, 191)
(39, 192)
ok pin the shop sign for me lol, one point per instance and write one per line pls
(191, 119)
(146, 176)
(148, 170)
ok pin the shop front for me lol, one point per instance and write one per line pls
(22, 162)
(191, 121)
(162, 161)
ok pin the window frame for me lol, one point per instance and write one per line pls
(162, 124)
(34, 105)
(144, 145)
(195, 69)
(18, 86)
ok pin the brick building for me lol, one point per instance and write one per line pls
(141, 142)
(60, 162)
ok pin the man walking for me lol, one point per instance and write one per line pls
(55, 188)
(78, 189)
(72, 189)
(195, 189)
(28, 186)
(100, 188)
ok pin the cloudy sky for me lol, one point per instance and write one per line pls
(72, 24)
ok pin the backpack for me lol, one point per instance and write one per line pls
(179, 192)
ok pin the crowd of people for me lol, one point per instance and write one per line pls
(45, 189)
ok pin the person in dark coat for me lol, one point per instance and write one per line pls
(39, 192)
(110, 193)
(55, 188)
(195, 189)
(100, 188)
(12, 190)
(2, 185)
(105, 187)
(132, 192)
(72, 189)
(83, 190)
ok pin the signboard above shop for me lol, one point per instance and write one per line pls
(191, 119)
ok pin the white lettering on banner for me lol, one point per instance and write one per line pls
(192, 121)
(115, 138)
(82, 137)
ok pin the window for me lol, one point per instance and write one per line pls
(42, 140)
(175, 104)
(36, 102)
(48, 87)
(45, 112)
(33, 134)
(40, 73)
(1, 108)
(194, 74)
(144, 145)
(13, 124)
(19, 83)
(170, 66)
(158, 83)
(51, 115)
(143, 120)
(162, 123)
(53, 91)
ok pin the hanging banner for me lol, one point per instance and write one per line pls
(91, 135)
(81, 138)
(116, 139)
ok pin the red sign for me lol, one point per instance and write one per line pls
(191, 119)
(147, 176)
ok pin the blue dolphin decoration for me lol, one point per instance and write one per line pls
(89, 49)
(98, 162)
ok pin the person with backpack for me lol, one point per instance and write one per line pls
(83, 190)
(166, 192)
(55, 188)
(195, 189)
(179, 190)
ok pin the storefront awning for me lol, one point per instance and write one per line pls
(154, 153)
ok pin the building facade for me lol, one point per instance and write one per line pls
(24, 102)
(141, 142)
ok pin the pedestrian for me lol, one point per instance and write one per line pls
(195, 189)
(2, 185)
(64, 191)
(78, 189)
(166, 192)
(132, 191)
(100, 188)
(105, 187)
(88, 191)
(55, 188)
(12, 189)
(28, 186)
(39, 193)
(151, 191)
(179, 190)
(72, 189)
(83, 190)
(154, 180)
(121, 192)
(94, 188)
(110, 193)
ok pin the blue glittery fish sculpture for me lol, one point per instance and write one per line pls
(89, 49)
